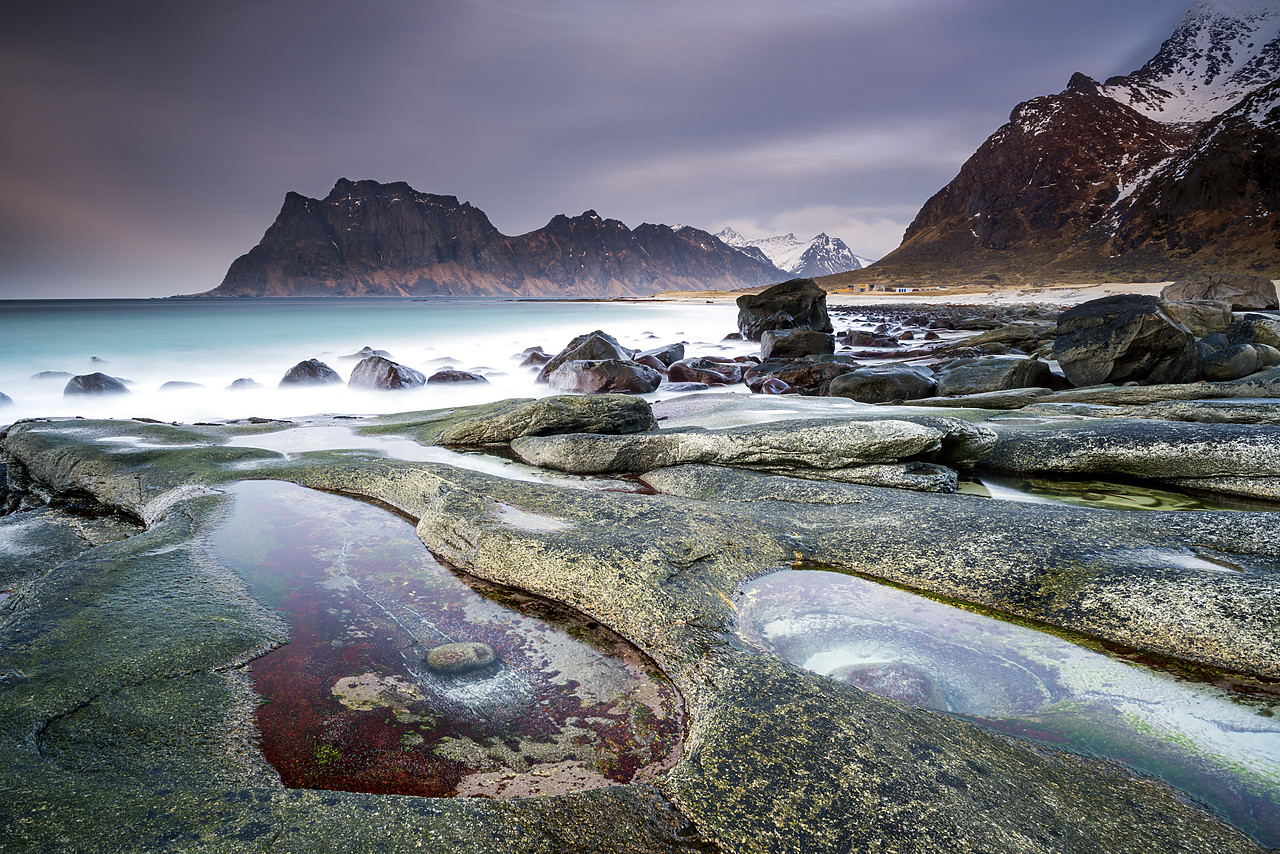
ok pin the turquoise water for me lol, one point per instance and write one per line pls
(213, 342)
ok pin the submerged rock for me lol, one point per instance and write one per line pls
(244, 384)
(310, 372)
(180, 385)
(5, 400)
(451, 376)
(460, 657)
(95, 383)
(364, 353)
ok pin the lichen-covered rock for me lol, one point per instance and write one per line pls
(796, 304)
(795, 343)
(95, 383)
(812, 445)
(991, 373)
(1123, 338)
(883, 383)
(1242, 291)
(591, 346)
(310, 372)
(1254, 329)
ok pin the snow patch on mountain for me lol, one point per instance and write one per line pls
(821, 256)
(1222, 50)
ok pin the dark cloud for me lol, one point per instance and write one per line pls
(147, 144)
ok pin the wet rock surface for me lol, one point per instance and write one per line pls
(1121, 338)
(95, 383)
(776, 758)
(796, 304)
(377, 372)
(310, 372)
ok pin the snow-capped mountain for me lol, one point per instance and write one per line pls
(1162, 172)
(1221, 50)
(821, 256)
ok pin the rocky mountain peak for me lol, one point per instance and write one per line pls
(1220, 51)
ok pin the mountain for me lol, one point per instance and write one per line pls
(1162, 172)
(821, 256)
(372, 239)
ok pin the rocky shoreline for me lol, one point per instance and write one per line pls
(128, 716)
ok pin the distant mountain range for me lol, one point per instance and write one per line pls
(372, 239)
(821, 256)
(1171, 169)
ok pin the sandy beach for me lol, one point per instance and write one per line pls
(1053, 294)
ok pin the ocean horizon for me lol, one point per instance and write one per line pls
(213, 342)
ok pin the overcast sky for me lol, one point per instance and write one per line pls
(144, 144)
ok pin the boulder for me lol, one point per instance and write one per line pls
(667, 355)
(1245, 293)
(5, 400)
(310, 372)
(95, 383)
(704, 371)
(1128, 337)
(243, 383)
(1254, 329)
(1201, 317)
(796, 304)
(1221, 360)
(883, 383)
(378, 373)
(674, 387)
(592, 346)
(454, 658)
(990, 373)
(795, 343)
(51, 375)
(595, 376)
(180, 385)
(532, 356)
(810, 375)
(854, 338)
(452, 376)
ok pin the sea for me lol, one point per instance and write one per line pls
(147, 343)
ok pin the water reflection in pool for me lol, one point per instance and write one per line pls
(557, 704)
(1099, 494)
(1221, 747)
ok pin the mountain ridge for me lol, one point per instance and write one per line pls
(1099, 182)
(366, 238)
(822, 255)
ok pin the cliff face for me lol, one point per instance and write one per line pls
(372, 239)
(1164, 172)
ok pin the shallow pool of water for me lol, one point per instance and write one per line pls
(351, 704)
(1098, 494)
(1220, 746)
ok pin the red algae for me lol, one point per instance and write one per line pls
(348, 704)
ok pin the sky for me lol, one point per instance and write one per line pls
(145, 144)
